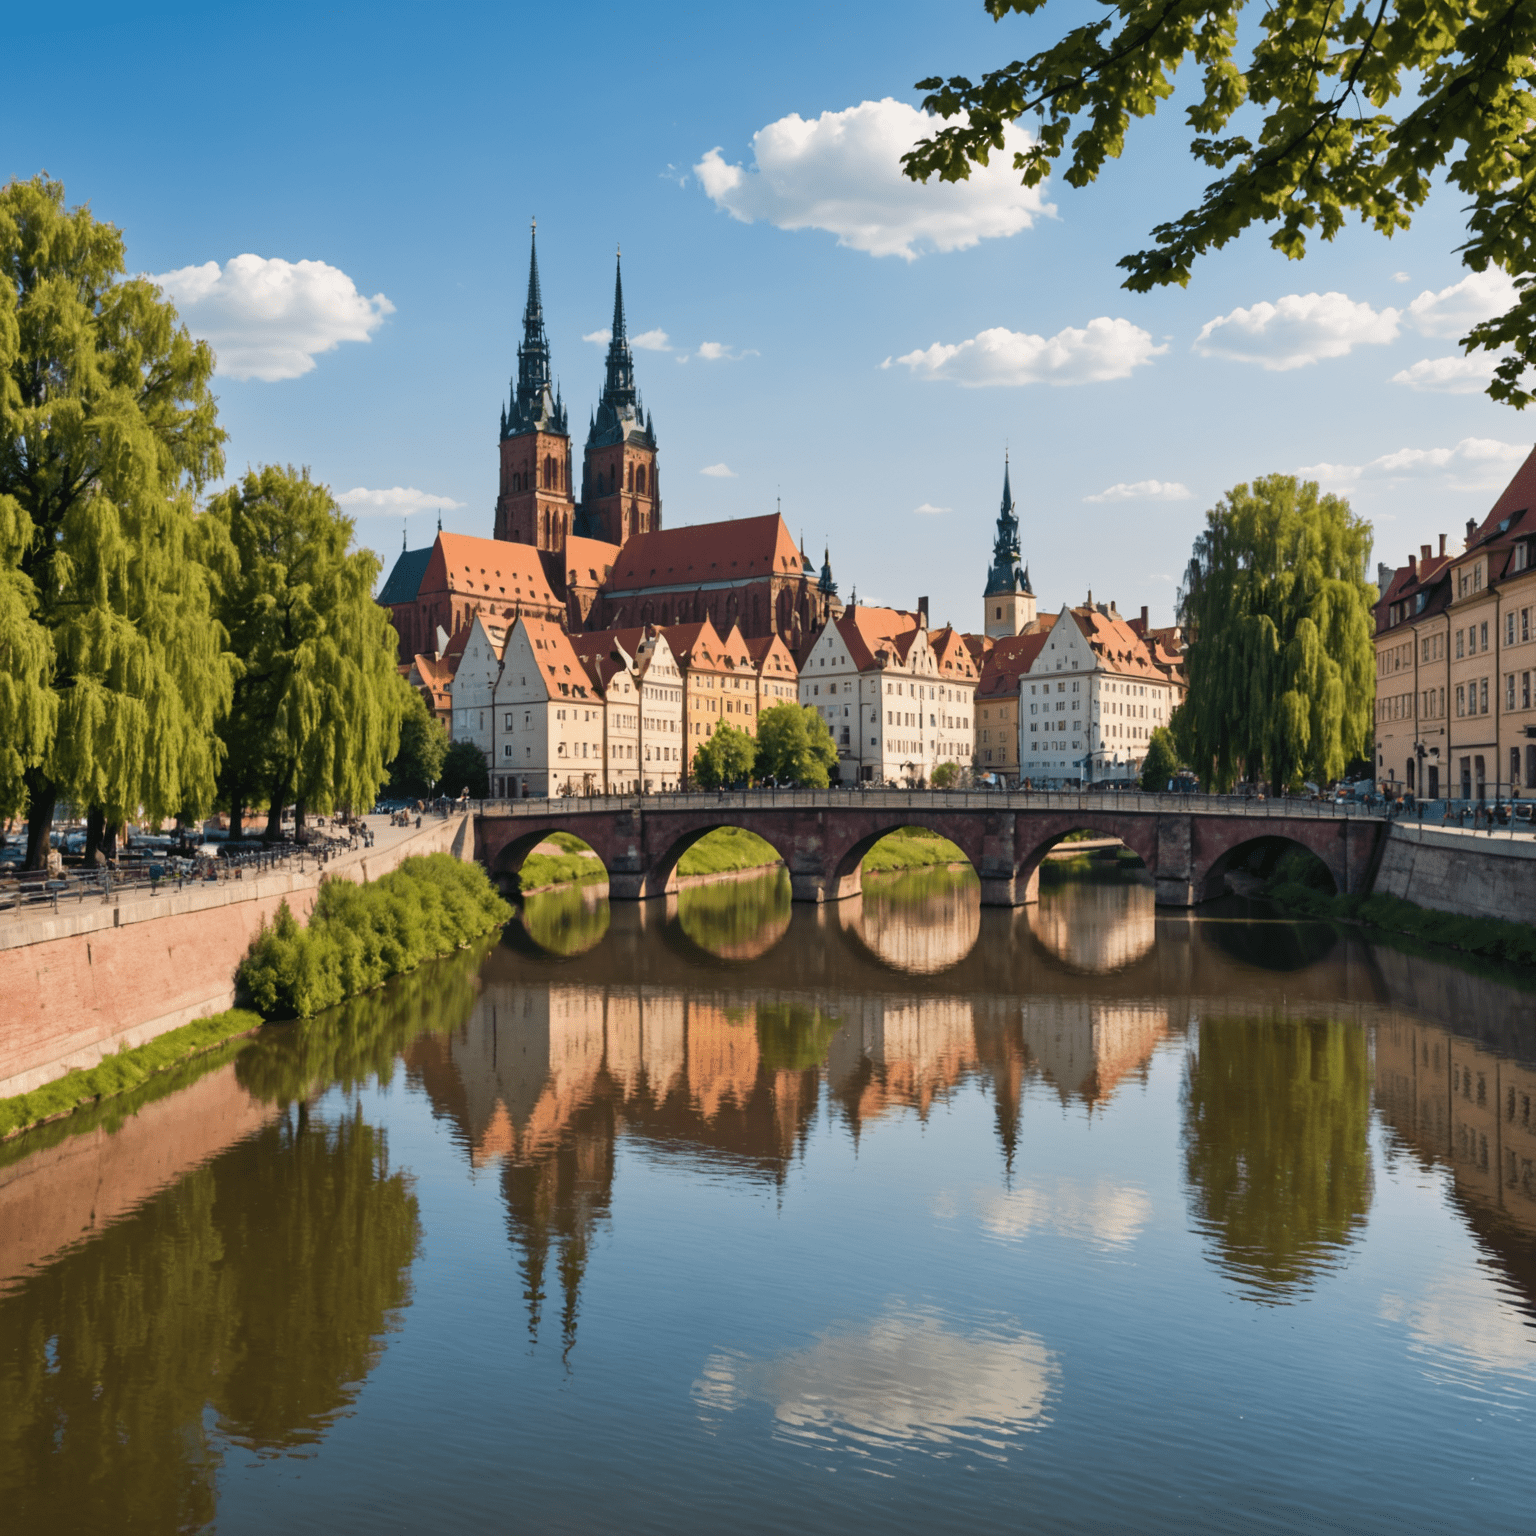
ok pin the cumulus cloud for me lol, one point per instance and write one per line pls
(1302, 328)
(1449, 375)
(1455, 310)
(1474, 464)
(719, 471)
(1143, 490)
(720, 352)
(651, 341)
(599, 338)
(402, 500)
(1104, 349)
(929, 510)
(908, 1380)
(269, 319)
(841, 172)
(1463, 1320)
(1400, 277)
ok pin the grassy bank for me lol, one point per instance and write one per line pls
(361, 935)
(720, 852)
(911, 848)
(1491, 937)
(123, 1071)
(575, 864)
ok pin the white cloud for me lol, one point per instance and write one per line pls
(1474, 464)
(401, 500)
(1143, 490)
(599, 338)
(928, 509)
(652, 341)
(267, 318)
(1464, 1320)
(720, 352)
(1106, 1215)
(841, 172)
(908, 1380)
(1455, 310)
(1301, 329)
(719, 471)
(1399, 277)
(1449, 375)
(1104, 349)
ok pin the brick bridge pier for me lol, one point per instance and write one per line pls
(1188, 842)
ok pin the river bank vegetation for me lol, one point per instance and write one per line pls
(361, 935)
(123, 1071)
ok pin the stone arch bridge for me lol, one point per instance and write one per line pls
(1187, 842)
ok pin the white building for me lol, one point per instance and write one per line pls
(1091, 699)
(644, 743)
(548, 717)
(896, 706)
(474, 685)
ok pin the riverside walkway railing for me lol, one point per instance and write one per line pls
(929, 801)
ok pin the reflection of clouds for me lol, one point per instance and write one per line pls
(1109, 1215)
(1097, 929)
(1464, 1316)
(906, 1380)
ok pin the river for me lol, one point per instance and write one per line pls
(723, 1214)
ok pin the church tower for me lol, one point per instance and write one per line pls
(535, 505)
(1009, 601)
(619, 493)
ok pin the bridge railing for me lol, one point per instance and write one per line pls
(923, 802)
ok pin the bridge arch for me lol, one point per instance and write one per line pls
(1264, 851)
(661, 878)
(846, 863)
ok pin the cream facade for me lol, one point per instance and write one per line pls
(548, 718)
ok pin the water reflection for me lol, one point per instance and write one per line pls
(247, 1303)
(1096, 928)
(736, 919)
(1277, 1114)
(922, 922)
(567, 921)
(910, 1379)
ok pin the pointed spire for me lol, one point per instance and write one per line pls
(619, 386)
(1004, 574)
(532, 401)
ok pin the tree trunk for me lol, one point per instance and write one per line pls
(280, 787)
(42, 796)
(298, 820)
(95, 825)
(109, 834)
(236, 812)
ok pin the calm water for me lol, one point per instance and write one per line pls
(897, 1216)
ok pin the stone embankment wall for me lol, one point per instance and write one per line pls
(1470, 874)
(77, 984)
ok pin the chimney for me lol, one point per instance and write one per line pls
(1471, 532)
(1089, 603)
(1424, 553)
(1413, 567)
(1442, 546)
(1144, 629)
(922, 613)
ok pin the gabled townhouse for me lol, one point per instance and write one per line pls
(952, 722)
(610, 670)
(663, 744)
(873, 676)
(997, 698)
(1091, 699)
(719, 684)
(778, 678)
(474, 684)
(547, 717)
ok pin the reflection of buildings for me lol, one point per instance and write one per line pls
(1086, 1048)
(921, 923)
(1457, 1103)
(900, 1054)
(1097, 929)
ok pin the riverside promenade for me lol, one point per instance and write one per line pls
(79, 982)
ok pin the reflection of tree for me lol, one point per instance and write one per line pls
(1275, 1146)
(362, 1039)
(737, 919)
(564, 922)
(258, 1286)
(793, 1038)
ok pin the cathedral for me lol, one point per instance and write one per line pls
(600, 560)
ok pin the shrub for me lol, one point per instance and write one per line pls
(361, 935)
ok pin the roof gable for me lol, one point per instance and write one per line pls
(404, 580)
(700, 552)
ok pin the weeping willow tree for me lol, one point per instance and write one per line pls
(316, 710)
(1277, 617)
(112, 667)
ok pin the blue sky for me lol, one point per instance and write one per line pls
(815, 313)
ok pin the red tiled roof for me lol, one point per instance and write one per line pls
(770, 654)
(700, 552)
(559, 665)
(590, 559)
(868, 631)
(1011, 657)
(1115, 642)
(950, 652)
(496, 570)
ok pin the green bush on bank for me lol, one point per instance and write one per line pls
(124, 1070)
(1490, 936)
(361, 935)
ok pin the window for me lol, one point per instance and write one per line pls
(1459, 634)
(1484, 691)
(1461, 702)
(1525, 690)
(1509, 691)
(1509, 628)
(1484, 627)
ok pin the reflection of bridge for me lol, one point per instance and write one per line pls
(1187, 842)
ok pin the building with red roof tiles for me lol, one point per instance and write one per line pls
(577, 573)
(432, 677)
(1456, 659)
(747, 572)
(778, 677)
(1090, 700)
(719, 683)
(660, 684)
(546, 717)
(460, 577)
(997, 699)
(897, 699)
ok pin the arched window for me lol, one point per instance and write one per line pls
(640, 479)
(631, 477)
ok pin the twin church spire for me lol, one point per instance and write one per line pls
(535, 399)
(1006, 574)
